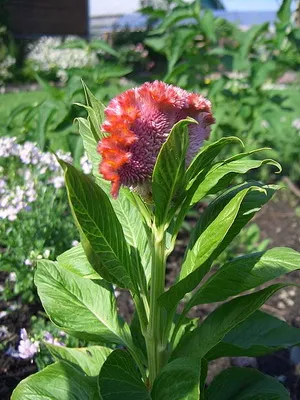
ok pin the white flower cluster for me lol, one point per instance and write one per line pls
(45, 56)
(86, 164)
(4, 67)
(12, 201)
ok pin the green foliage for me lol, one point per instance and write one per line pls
(164, 355)
(246, 384)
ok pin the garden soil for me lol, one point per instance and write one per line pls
(279, 222)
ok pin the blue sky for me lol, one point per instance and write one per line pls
(251, 5)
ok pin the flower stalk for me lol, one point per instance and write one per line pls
(156, 345)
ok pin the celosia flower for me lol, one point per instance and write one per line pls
(138, 123)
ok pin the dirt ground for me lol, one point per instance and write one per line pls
(280, 222)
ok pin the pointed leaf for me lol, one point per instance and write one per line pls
(97, 220)
(95, 104)
(208, 154)
(120, 379)
(219, 224)
(247, 272)
(169, 170)
(245, 384)
(258, 335)
(81, 307)
(222, 174)
(214, 328)
(284, 12)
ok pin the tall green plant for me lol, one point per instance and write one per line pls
(125, 242)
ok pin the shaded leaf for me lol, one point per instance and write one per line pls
(258, 335)
(245, 384)
(120, 379)
(178, 380)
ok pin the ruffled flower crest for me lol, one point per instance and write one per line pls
(138, 123)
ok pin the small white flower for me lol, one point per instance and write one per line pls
(27, 348)
(12, 277)
(296, 124)
(28, 262)
(75, 243)
(46, 253)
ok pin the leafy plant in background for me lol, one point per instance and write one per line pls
(34, 219)
(235, 68)
(125, 242)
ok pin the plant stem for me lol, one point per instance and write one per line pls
(156, 346)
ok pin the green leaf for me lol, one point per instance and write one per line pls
(99, 44)
(207, 155)
(178, 14)
(220, 176)
(95, 104)
(214, 328)
(157, 43)
(96, 218)
(247, 272)
(218, 225)
(58, 381)
(93, 122)
(245, 384)
(75, 260)
(208, 25)
(258, 335)
(169, 170)
(88, 360)
(178, 380)
(81, 307)
(284, 12)
(120, 379)
(180, 41)
(90, 147)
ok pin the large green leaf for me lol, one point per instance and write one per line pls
(221, 321)
(79, 306)
(178, 380)
(169, 170)
(96, 218)
(247, 272)
(88, 360)
(219, 224)
(58, 381)
(258, 335)
(245, 384)
(120, 379)
(75, 260)
(284, 12)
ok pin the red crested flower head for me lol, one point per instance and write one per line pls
(138, 123)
